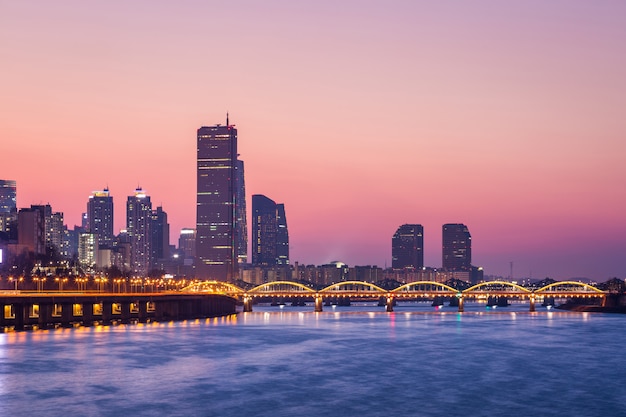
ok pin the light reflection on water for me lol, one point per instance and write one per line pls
(343, 361)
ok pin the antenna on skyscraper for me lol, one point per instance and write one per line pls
(227, 124)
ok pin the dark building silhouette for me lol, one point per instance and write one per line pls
(160, 232)
(216, 210)
(242, 224)
(282, 236)
(407, 247)
(457, 247)
(270, 237)
(32, 229)
(100, 217)
(138, 227)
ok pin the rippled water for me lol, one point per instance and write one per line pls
(347, 361)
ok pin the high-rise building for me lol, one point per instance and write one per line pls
(160, 231)
(138, 227)
(32, 230)
(407, 247)
(264, 228)
(187, 243)
(216, 209)
(100, 217)
(282, 236)
(270, 245)
(242, 224)
(457, 247)
(8, 193)
(87, 251)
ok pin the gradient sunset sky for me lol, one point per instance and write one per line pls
(360, 116)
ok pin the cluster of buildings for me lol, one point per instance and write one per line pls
(217, 248)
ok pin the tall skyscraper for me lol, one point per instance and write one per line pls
(138, 227)
(264, 228)
(457, 247)
(282, 236)
(32, 230)
(216, 210)
(270, 245)
(100, 217)
(160, 230)
(8, 193)
(242, 224)
(407, 247)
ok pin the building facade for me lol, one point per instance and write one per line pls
(242, 224)
(456, 247)
(100, 217)
(138, 227)
(8, 196)
(216, 209)
(270, 236)
(407, 247)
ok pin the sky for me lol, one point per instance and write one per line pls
(359, 116)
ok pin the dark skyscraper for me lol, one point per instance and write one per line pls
(216, 210)
(138, 227)
(270, 245)
(100, 217)
(407, 247)
(8, 193)
(282, 236)
(242, 224)
(160, 231)
(457, 247)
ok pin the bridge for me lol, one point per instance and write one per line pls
(359, 290)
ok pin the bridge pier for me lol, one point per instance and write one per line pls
(389, 308)
(461, 308)
(532, 304)
(318, 304)
(247, 304)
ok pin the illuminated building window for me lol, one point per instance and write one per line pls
(134, 307)
(150, 307)
(57, 310)
(116, 308)
(33, 311)
(9, 313)
(77, 309)
(97, 309)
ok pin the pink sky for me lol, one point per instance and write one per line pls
(358, 115)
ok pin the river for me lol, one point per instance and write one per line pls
(345, 361)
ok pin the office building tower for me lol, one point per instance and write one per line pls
(457, 247)
(8, 193)
(216, 209)
(407, 247)
(138, 227)
(100, 217)
(187, 243)
(242, 224)
(264, 228)
(270, 245)
(87, 251)
(160, 230)
(32, 230)
(282, 236)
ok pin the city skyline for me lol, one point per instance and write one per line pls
(502, 117)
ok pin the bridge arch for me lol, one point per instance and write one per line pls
(282, 287)
(424, 285)
(216, 287)
(472, 289)
(350, 285)
(586, 287)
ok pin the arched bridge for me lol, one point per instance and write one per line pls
(419, 289)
